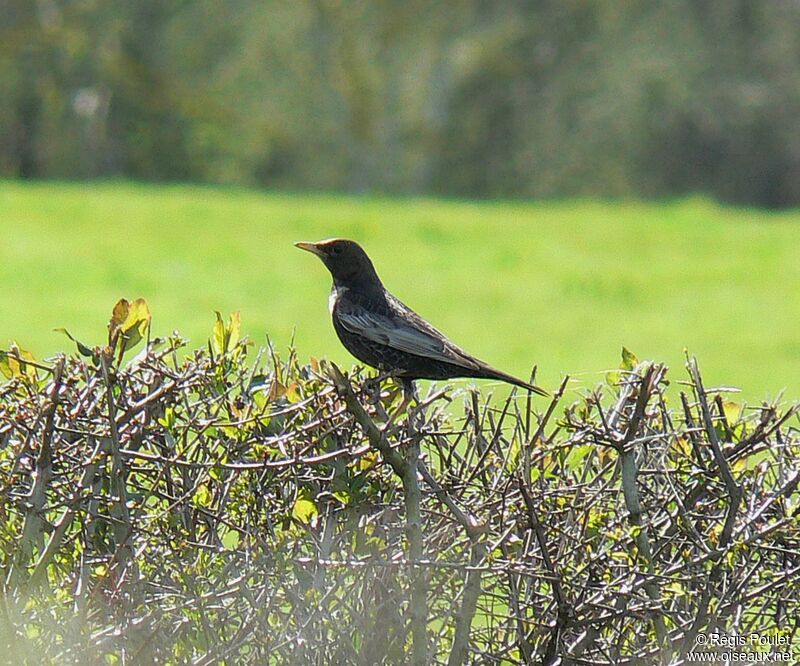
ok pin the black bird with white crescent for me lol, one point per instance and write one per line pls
(386, 334)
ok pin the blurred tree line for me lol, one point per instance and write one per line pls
(467, 97)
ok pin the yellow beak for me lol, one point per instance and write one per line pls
(309, 247)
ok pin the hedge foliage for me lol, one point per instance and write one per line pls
(229, 505)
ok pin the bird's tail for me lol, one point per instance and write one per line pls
(491, 373)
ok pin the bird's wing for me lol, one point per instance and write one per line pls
(409, 333)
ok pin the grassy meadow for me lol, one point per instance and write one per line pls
(561, 284)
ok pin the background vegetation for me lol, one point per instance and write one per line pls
(562, 285)
(476, 98)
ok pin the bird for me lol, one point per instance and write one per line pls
(382, 332)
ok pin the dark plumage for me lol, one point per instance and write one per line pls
(382, 332)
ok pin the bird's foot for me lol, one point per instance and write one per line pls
(404, 408)
(372, 390)
(372, 385)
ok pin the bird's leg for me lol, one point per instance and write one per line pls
(415, 415)
(372, 389)
(409, 394)
(373, 384)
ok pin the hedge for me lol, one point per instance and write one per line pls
(233, 505)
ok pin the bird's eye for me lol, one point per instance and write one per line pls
(336, 249)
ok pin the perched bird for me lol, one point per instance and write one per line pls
(382, 332)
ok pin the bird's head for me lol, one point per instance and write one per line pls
(346, 260)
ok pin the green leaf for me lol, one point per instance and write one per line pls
(676, 588)
(732, 411)
(293, 392)
(128, 324)
(577, 456)
(8, 365)
(304, 509)
(231, 539)
(739, 465)
(168, 420)
(118, 315)
(512, 460)
(629, 360)
(135, 326)
(218, 336)
(13, 367)
(83, 350)
(225, 337)
(216, 472)
(203, 497)
(234, 329)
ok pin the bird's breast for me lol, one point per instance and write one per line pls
(332, 299)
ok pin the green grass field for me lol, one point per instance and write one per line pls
(560, 284)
